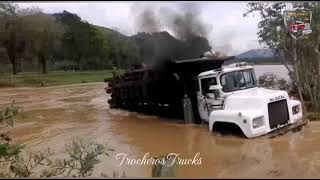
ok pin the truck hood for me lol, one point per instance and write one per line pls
(254, 98)
(258, 91)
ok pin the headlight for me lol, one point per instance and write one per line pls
(295, 109)
(257, 122)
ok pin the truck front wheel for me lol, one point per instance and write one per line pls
(225, 128)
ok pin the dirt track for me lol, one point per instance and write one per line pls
(53, 116)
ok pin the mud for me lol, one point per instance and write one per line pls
(53, 116)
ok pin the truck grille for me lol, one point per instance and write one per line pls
(278, 113)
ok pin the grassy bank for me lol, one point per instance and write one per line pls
(53, 78)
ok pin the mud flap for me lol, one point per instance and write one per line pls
(292, 127)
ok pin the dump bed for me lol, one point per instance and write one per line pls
(161, 88)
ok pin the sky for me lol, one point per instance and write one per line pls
(230, 32)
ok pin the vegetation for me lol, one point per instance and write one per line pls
(82, 40)
(82, 158)
(302, 54)
(83, 155)
(8, 150)
(12, 34)
(48, 33)
(271, 80)
(31, 40)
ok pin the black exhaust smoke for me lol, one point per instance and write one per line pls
(157, 46)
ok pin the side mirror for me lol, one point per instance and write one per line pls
(216, 90)
(215, 87)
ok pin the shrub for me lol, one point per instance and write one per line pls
(270, 80)
(82, 157)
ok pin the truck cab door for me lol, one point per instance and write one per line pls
(203, 100)
(202, 107)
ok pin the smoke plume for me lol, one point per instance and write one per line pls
(186, 22)
(145, 19)
(170, 32)
(183, 21)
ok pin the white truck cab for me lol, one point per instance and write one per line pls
(231, 95)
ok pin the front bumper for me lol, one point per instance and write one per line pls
(245, 121)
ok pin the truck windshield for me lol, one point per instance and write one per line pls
(238, 80)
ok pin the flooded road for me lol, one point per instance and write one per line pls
(53, 116)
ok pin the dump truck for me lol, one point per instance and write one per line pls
(203, 90)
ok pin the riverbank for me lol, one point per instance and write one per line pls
(33, 79)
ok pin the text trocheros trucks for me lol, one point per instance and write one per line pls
(202, 89)
(231, 95)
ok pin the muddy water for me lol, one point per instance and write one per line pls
(53, 116)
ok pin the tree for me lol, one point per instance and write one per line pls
(44, 36)
(81, 39)
(302, 56)
(11, 34)
(100, 46)
(67, 18)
